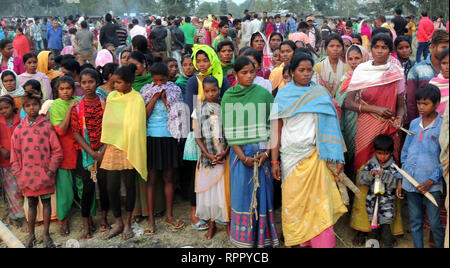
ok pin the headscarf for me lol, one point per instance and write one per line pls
(347, 37)
(364, 29)
(216, 67)
(365, 57)
(370, 75)
(43, 66)
(104, 56)
(267, 59)
(18, 92)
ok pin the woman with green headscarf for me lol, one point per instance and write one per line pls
(207, 63)
(143, 77)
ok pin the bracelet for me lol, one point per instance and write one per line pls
(245, 161)
(275, 162)
(360, 108)
(267, 154)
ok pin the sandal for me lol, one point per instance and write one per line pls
(198, 225)
(104, 227)
(175, 224)
(128, 235)
(221, 222)
(150, 231)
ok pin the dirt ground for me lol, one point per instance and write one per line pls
(166, 237)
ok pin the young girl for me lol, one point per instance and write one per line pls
(276, 60)
(249, 153)
(72, 68)
(255, 56)
(9, 119)
(10, 86)
(30, 62)
(106, 72)
(86, 124)
(188, 72)
(60, 119)
(163, 128)
(173, 69)
(403, 48)
(441, 81)
(212, 181)
(35, 169)
(123, 132)
(143, 77)
(7, 60)
(124, 57)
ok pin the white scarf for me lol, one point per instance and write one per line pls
(18, 92)
(368, 75)
(10, 65)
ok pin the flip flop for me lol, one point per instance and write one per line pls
(175, 224)
(221, 222)
(64, 232)
(150, 231)
(198, 225)
(31, 244)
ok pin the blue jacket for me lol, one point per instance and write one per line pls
(54, 38)
(420, 155)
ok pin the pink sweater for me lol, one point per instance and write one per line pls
(34, 151)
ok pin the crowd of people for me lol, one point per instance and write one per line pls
(240, 116)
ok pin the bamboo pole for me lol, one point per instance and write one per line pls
(9, 238)
(415, 183)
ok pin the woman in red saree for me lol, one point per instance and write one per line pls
(376, 92)
(20, 43)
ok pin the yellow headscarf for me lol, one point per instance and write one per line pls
(216, 67)
(124, 126)
(43, 66)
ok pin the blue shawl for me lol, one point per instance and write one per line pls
(294, 99)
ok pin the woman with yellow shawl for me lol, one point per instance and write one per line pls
(46, 63)
(287, 49)
(207, 63)
(308, 140)
(124, 133)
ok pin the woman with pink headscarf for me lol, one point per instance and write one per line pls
(365, 34)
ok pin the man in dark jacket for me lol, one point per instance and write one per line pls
(108, 33)
(158, 37)
(399, 23)
(177, 42)
(314, 34)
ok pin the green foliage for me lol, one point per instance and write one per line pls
(223, 8)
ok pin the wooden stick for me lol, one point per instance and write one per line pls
(415, 183)
(9, 238)
(344, 194)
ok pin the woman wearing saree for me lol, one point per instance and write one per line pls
(330, 70)
(46, 62)
(21, 44)
(7, 60)
(252, 213)
(376, 92)
(356, 55)
(307, 136)
(259, 43)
